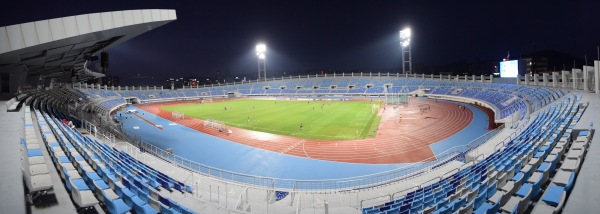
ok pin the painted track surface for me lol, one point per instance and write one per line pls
(404, 134)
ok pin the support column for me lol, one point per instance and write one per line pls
(576, 78)
(586, 77)
(597, 76)
(555, 79)
(458, 78)
(526, 79)
(565, 79)
(545, 79)
(482, 78)
(491, 78)
(51, 86)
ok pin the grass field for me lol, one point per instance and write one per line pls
(332, 120)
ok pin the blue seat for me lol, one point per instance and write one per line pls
(487, 208)
(123, 192)
(100, 184)
(553, 195)
(64, 159)
(553, 161)
(479, 200)
(492, 189)
(167, 210)
(116, 206)
(90, 176)
(393, 211)
(34, 152)
(80, 184)
(518, 178)
(459, 203)
(545, 166)
(141, 206)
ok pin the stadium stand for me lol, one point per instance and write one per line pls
(535, 171)
(93, 173)
(512, 179)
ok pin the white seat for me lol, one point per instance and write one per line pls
(36, 182)
(571, 165)
(468, 209)
(82, 198)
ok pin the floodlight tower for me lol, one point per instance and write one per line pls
(262, 66)
(405, 43)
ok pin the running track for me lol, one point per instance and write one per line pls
(404, 135)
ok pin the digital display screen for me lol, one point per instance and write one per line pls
(509, 68)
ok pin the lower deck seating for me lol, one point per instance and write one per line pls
(97, 174)
(533, 168)
(33, 163)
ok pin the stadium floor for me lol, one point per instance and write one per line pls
(230, 156)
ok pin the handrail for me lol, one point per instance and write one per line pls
(344, 184)
(352, 183)
(362, 182)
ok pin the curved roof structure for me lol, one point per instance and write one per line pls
(55, 48)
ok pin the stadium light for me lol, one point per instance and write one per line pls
(261, 50)
(405, 36)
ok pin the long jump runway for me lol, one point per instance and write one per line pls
(405, 136)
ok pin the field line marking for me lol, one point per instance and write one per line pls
(363, 128)
(304, 150)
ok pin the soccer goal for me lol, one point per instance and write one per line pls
(375, 108)
(178, 115)
(217, 125)
(205, 100)
(394, 97)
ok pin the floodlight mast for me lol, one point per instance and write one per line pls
(405, 36)
(261, 50)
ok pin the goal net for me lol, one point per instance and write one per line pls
(178, 115)
(375, 108)
(205, 100)
(217, 125)
(394, 97)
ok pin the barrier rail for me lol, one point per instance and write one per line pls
(358, 183)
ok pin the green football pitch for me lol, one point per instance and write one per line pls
(326, 120)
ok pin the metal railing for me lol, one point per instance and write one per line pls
(357, 183)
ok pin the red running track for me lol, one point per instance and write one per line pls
(404, 134)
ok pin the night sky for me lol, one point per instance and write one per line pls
(344, 35)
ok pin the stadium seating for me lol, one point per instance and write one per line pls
(506, 99)
(33, 163)
(95, 173)
(535, 170)
(512, 179)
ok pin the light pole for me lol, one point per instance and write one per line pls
(405, 43)
(262, 66)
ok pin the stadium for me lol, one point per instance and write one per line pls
(357, 142)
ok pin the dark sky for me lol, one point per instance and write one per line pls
(304, 35)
